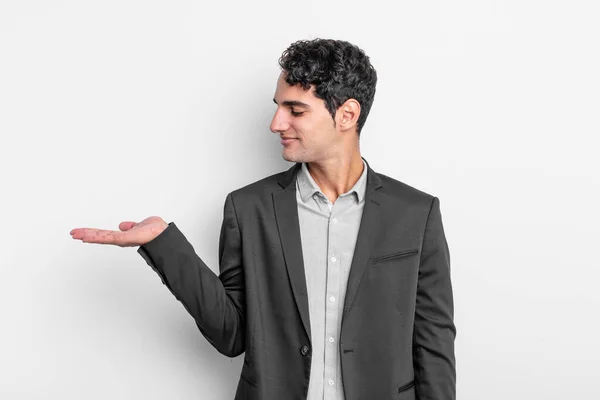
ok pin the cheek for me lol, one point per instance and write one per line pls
(314, 131)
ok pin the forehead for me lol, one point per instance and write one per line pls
(285, 92)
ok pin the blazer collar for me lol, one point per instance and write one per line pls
(289, 177)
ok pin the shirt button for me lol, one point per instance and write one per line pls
(304, 350)
(334, 220)
(332, 298)
(331, 382)
(331, 340)
(333, 259)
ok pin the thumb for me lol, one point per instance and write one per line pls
(126, 225)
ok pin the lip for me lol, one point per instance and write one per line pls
(285, 141)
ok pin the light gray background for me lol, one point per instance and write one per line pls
(118, 110)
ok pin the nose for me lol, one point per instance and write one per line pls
(279, 123)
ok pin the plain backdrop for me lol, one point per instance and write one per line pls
(119, 110)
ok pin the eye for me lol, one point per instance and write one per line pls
(296, 114)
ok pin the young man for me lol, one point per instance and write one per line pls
(334, 279)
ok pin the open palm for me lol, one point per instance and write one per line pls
(130, 233)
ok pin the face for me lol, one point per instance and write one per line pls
(303, 118)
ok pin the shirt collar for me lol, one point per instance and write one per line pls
(308, 187)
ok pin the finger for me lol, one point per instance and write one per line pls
(75, 230)
(78, 233)
(89, 235)
(103, 237)
(126, 225)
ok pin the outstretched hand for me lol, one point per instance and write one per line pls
(130, 233)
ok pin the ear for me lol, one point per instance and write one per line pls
(347, 115)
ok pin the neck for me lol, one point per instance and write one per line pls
(336, 176)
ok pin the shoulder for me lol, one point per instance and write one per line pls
(260, 188)
(401, 191)
(256, 198)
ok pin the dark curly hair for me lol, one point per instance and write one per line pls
(338, 69)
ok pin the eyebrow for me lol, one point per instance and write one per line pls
(292, 103)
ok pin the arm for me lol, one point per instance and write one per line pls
(217, 303)
(434, 329)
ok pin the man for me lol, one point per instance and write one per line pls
(334, 279)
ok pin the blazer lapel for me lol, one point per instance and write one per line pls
(367, 233)
(288, 225)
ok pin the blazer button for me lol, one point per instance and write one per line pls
(304, 350)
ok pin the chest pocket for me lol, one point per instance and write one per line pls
(393, 256)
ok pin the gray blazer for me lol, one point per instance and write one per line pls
(397, 331)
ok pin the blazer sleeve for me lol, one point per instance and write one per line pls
(217, 303)
(434, 329)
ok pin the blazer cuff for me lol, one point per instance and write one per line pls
(154, 251)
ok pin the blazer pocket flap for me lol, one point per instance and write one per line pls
(406, 386)
(392, 256)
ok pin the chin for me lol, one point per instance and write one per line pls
(297, 155)
(288, 158)
(293, 158)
